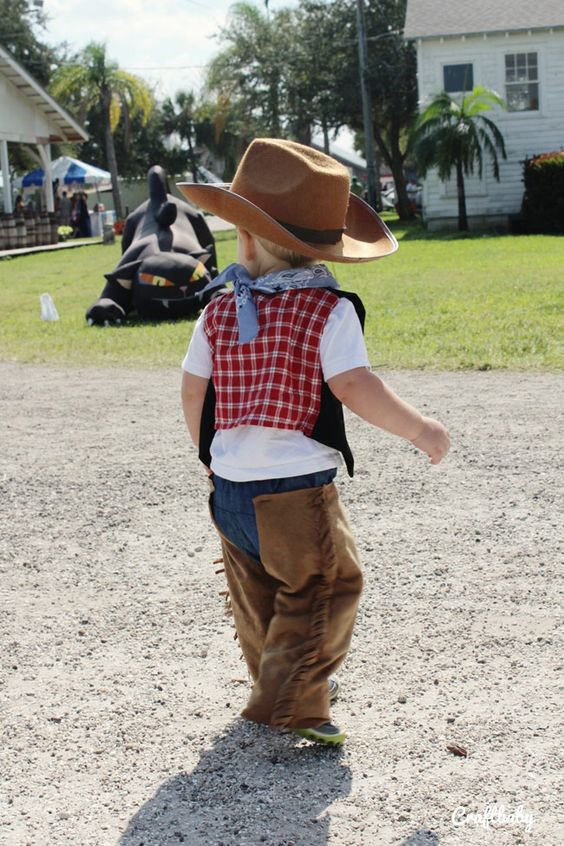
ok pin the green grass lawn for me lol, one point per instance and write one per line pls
(444, 302)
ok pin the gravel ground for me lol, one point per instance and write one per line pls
(121, 682)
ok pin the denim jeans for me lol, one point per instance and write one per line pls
(234, 512)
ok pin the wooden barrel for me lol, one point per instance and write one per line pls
(30, 227)
(9, 231)
(37, 221)
(53, 228)
(21, 236)
(45, 231)
(2, 236)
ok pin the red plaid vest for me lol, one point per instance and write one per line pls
(274, 380)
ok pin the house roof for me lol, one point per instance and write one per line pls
(432, 18)
(63, 127)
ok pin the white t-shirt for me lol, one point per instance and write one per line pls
(247, 453)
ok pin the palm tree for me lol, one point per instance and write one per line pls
(178, 117)
(452, 134)
(96, 82)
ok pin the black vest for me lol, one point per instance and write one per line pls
(329, 427)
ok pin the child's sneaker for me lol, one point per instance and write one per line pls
(328, 734)
(334, 688)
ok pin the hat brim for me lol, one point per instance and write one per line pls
(366, 236)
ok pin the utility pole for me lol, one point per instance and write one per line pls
(372, 176)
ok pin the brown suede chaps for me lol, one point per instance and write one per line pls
(294, 612)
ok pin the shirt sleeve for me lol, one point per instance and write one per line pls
(342, 343)
(198, 360)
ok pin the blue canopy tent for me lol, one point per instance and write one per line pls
(68, 171)
(32, 179)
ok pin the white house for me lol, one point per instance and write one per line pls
(515, 47)
(29, 115)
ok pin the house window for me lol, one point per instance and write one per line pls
(458, 78)
(522, 82)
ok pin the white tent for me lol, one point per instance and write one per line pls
(68, 171)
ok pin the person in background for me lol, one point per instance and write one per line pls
(356, 186)
(74, 214)
(65, 209)
(84, 224)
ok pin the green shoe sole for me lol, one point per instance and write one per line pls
(318, 735)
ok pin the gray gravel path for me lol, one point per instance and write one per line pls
(121, 682)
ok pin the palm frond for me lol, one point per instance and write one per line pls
(480, 94)
(490, 148)
(134, 91)
(493, 129)
(451, 132)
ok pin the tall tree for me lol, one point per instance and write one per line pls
(297, 68)
(21, 25)
(147, 143)
(312, 66)
(454, 135)
(95, 81)
(250, 68)
(277, 68)
(179, 119)
(391, 74)
(224, 127)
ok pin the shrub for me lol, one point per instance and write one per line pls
(64, 232)
(543, 202)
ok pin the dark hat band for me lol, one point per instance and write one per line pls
(314, 236)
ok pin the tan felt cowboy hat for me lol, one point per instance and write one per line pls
(298, 198)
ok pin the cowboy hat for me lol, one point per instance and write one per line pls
(298, 198)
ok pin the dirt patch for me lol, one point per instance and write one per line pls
(121, 680)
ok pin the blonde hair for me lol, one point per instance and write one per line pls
(293, 259)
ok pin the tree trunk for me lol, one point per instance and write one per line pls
(111, 153)
(274, 104)
(191, 156)
(394, 159)
(325, 135)
(462, 217)
(404, 207)
(405, 210)
(303, 132)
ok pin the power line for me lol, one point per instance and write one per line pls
(197, 3)
(164, 67)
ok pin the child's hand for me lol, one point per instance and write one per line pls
(432, 439)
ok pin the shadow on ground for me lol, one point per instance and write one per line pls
(252, 786)
(416, 231)
(423, 837)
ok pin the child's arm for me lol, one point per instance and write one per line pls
(192, 392)
(369, 397)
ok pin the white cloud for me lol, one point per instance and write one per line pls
(173, 36)
(177, 34)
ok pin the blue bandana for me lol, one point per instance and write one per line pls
(310, 276)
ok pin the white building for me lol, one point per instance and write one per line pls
(515, 47)
(29, 115)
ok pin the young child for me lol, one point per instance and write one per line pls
(264, 377)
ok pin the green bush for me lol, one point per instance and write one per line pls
(64, 232)
(543, 203)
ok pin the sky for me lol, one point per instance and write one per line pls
(166, 42)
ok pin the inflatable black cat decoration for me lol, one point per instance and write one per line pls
(168, 257)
